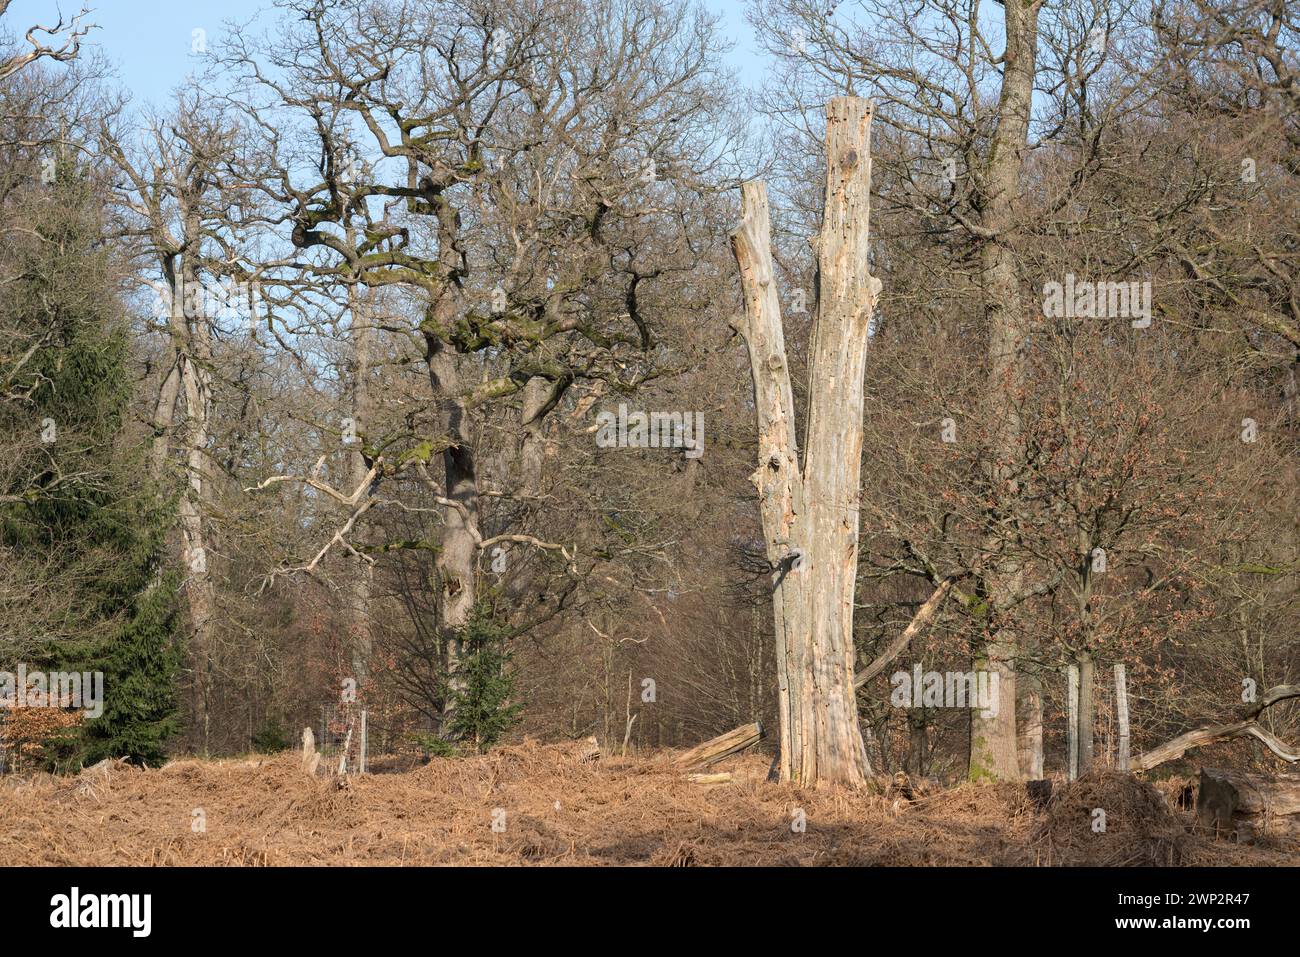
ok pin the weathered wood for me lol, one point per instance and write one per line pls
(347, 746)
(724, 745)
(1072, 720)
(310, 756)
(776, 480)
(1246, 807)
(1029, 724)
(810, 515)
(722, 777)
(1122, 757)
(1212, 734)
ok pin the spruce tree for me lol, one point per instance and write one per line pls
(483, 712)
(80, 506)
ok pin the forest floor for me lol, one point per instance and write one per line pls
(550, 809)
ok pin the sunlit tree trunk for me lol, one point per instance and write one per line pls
(810, 515)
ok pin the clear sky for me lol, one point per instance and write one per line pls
(150, 41)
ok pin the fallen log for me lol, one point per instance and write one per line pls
(724, 745)
(1214, 733)
(723, 777)
(1246, 807)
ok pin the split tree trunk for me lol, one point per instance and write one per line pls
(810, 516)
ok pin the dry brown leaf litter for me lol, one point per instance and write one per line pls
(265, 811)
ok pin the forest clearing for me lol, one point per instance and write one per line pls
(263, 811)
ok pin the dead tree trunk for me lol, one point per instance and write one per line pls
(1122, 756)
(457, 559)
(1247, 807)
(723, 746)
(810, 515)
(1072, 721)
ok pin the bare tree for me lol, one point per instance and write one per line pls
(810, 507)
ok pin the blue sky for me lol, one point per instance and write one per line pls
(150, 40)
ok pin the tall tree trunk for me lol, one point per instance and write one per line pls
(457, 559)
(810, 518)
(199, 584)
(164, 415)
(188, 385)
(993, 735)
(360, 638)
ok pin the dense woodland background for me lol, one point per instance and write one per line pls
(438, 237)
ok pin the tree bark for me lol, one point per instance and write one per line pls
(1122, 755)
(993, 751)
(457, 559)
(810, 517)
(1029, 713)
(723, 746)
(361, 637)
(540, 396)
(190, 383)
(1087, 711)
(1249, 806)
(1072, 721)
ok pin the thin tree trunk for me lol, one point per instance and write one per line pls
(917, 743)
(1072, 721)
(361, 638)
(1029, 712)
(1121, 713)
(1087, 712)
